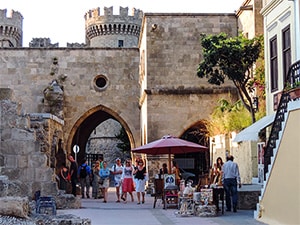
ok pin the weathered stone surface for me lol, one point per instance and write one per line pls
(14, 206)
(67, 201)
(248, 199)
(205, 211)
(6, 93)
(24, 164)
(22, 135)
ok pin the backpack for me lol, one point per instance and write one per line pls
(83, 172)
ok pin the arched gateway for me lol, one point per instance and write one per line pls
(83, 128)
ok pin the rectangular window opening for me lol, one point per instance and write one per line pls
(120, 43)
(274, 64)
(286, 51)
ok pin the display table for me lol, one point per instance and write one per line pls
(171, 196)
(186, 206)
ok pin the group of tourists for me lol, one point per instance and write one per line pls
(127, 178)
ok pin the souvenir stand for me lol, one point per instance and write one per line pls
(170, 192)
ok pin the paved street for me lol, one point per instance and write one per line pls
(113, 213)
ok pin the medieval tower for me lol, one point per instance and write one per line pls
(11, 29)
(113, 31)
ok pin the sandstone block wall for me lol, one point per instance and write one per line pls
(170, 54)
(29, 71)
(24, 166)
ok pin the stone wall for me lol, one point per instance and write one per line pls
(79, 67)
(170, 53)
(245, 155)
(26, 152)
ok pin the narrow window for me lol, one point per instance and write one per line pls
(121, 43)
(286, 51)
(273, 64)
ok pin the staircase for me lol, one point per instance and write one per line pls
(293, 80)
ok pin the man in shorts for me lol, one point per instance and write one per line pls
(117, 171)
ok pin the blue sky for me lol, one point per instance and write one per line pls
(63, 20)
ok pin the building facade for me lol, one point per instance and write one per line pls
(141, 73)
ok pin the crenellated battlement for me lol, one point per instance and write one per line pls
(123, 12)
(104, 29)
(13, 15)
(11, 28)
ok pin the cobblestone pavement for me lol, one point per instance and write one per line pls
(112, 213)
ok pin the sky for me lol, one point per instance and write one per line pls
(63, 20)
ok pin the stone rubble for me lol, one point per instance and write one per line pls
(41, 219)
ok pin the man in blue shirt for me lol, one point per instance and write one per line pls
(231, 179)
(84, 176)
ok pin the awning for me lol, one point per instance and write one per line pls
(251, 133)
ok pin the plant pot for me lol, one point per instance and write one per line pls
(294, 93)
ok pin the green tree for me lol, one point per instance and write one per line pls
(124, 143)
(232, 58)
(228, 117)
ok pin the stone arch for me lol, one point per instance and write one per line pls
(83, 127)
(197, 132)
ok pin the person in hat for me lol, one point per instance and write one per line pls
(117, 170)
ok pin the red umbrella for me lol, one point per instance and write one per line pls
(169, 145)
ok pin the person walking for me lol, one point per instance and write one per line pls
(140, 175)
(127, 180)
(231, 179)
(104, 175)
(117, 171)
(84, 176)
(96, 179)
(73, 173)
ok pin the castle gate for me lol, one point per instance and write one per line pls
(151, 89)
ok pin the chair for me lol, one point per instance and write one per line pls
(159, 190)
(44, 202)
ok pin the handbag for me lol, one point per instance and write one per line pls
(101, 181)
(69, 177)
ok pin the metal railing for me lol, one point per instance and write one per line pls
(293, 79)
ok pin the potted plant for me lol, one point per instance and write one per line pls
(293, 90)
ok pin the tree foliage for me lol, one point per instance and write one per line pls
(124, 144)
(232, 58)
(228, 117)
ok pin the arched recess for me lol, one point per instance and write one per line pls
(199, 162)
(84, 126)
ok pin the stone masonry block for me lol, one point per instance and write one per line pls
(49, 188)
(28, 174)
(67, 201)
(17, 188)
(22, 135)
(14, 206)
(22, 161)
(43, 174)
(19, 147)
(6, 133)
(10, 161)
(37, 160)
